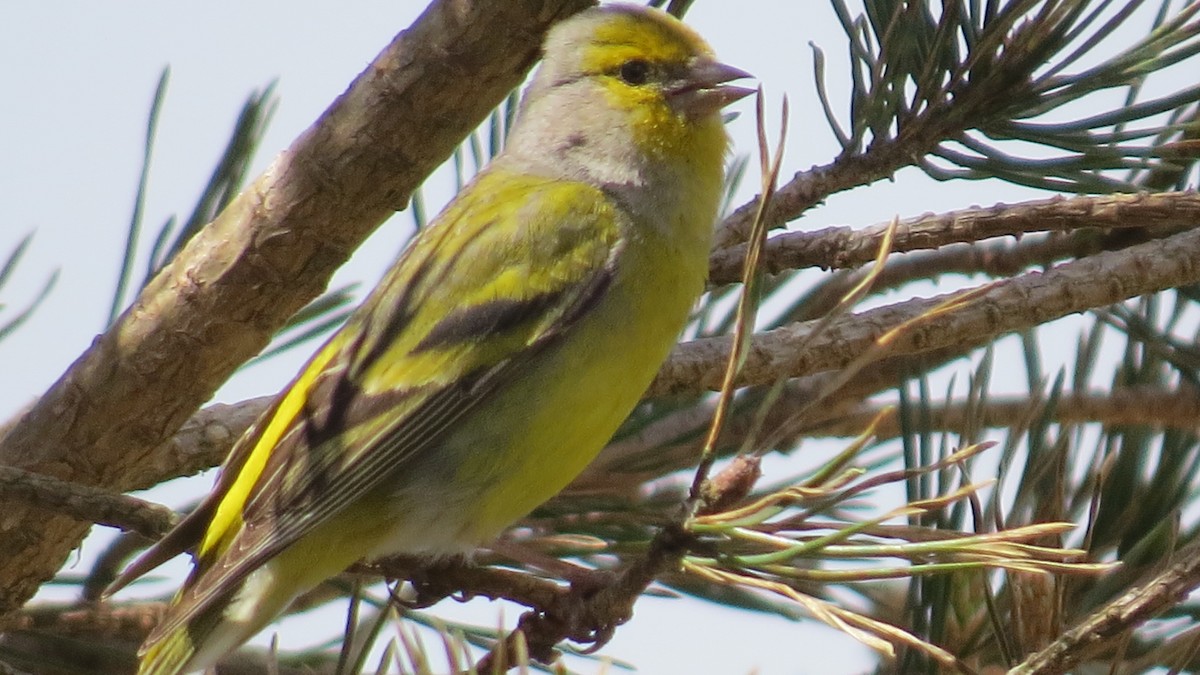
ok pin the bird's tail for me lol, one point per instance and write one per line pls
(169, 655)
(202, 640)
(199, 636)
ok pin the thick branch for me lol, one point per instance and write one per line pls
(673, 442)
(271, 251)
(205, 439)
(1007, 306)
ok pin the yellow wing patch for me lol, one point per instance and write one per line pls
(228, 517)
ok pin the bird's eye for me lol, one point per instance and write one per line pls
(635, 72)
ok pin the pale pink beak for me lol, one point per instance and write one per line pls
(700, 92)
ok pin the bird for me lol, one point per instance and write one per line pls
(498, 354)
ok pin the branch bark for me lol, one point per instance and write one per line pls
(845, 247)
(1006, 306)
(1122, 614)
(85, 503)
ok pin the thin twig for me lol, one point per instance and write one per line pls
(845, 247)
(747, 308)
(85, 503)
(1122, 614)
(1147, 406)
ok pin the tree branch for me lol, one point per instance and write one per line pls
(994, 258)
(1143, 406)
(1122, 614)
(85, 503)
(590, 614)
(1006, 306)
(104, 638)
(845, 247)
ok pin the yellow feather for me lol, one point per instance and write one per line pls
(228, 517)
(498, 355)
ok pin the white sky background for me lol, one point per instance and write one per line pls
(76, 80)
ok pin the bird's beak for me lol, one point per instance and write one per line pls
(700, 92)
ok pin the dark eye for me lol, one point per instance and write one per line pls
(635, 72)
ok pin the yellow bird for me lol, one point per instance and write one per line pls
(496, 357)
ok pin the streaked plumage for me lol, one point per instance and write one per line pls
(496, 357)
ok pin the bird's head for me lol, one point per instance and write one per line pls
(624, 86)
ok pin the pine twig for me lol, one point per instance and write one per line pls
(1007, 306)
(1145, 406)
(85, 503)
(844, 247)
(1125, 613)
(588, 615)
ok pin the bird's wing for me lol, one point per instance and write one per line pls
(511, 265)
